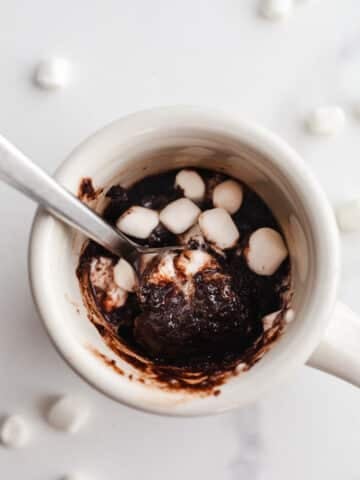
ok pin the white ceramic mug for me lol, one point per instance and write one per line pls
(121, 152)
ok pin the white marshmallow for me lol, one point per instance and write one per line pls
(276, 9)
(180, 215)
(326, 121)
(228, 195)
(138, 222)
(219, 228)
(101, 272)
(179, 269)
(115, 297)
(68, 414)
(53, 73)
(192, 184)
(266, 251)
(125, 276)
(14, 432)
(348, 216)
(164, 270)
(289, 315)
(102, 277)
(190, 262)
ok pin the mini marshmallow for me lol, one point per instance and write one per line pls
(164, 272)
(14, 432)
(101, 272)
(219, 228)
(275, 9)
(192, 184)
(115, 297)
(289, 315)
(228, 195)
(190, 262)
(348, 216)
(68, 414)
(52, 74)
(266, 251)
(326, 121)
(102, 277)
(180, 215)
(125, 275)
(138, 222)
(179, 270)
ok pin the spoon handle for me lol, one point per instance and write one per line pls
(21, 173)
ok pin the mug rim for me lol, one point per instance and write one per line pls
(252, 134)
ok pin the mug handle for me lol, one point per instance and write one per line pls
(339, 351)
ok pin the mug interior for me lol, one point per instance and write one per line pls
(126, 152)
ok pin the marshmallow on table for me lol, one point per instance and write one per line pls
(14, 432)
(180, 215)
(52, 74)
(348, 216)
(68, 414)
(326, 121)
(192, 184)
(219, 228)
(276, 9)
(228, 195)
(266, 251)
(125, 276)
(138, 221)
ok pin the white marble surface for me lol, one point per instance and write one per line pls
(131, 54)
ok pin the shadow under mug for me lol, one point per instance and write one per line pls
(324, 333)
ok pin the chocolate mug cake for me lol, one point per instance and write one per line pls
(211, 308)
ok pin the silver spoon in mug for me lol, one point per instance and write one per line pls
(21, 173)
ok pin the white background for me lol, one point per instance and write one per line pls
(132, 54)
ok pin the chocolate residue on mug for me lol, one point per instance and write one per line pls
(86, 191)
(108, 361)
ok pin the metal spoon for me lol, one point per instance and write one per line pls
(21, 173)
